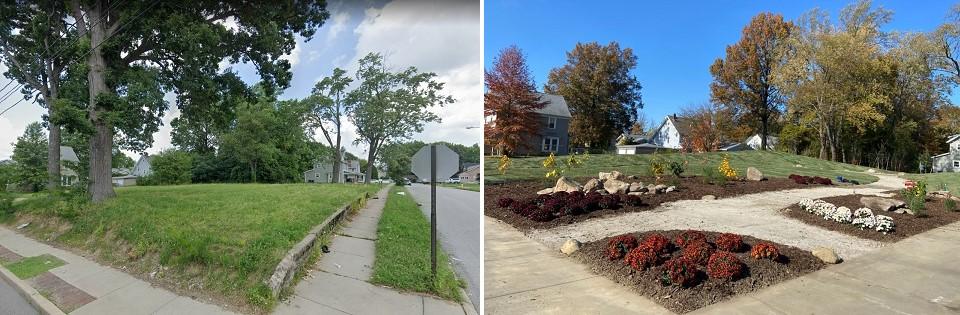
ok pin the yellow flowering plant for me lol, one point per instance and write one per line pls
(725, 168)
(504, 164)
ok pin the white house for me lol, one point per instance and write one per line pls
(142, 168)
(68, 176)
(670, 133)
(350, 172)
(950, 161)
(754, 142)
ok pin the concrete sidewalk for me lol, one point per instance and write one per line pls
(918, 275)
(338, 284)
(82, 286)
(525, 277)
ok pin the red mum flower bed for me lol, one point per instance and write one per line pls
(699, 274)
(765, 250)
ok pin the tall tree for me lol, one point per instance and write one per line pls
(603, 95)
(510, 103)
(30, 155)
(946, 46)
(37, 46)
(149, 48)
(742, 80)
(391, 106)
(327, 107)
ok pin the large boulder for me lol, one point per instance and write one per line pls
(570, 246)
(616, 175)
(637, 187)
(880, 203)
(567, 185)
(591, 184)
(753, 174)
(614, 186)
(603, 176)
(826, 254)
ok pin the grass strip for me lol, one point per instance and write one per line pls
(30, 267)
(464, 186)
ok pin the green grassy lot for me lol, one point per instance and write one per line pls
(32, 266)
(464, 186)
(224, 238)
(936, 180)
(772, 164)
(403, 251)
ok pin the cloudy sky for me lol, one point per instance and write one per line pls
(435, 36)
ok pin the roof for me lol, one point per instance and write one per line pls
(67, 154)
(679, 122)
(556, 105)
(940, 155)
(953, 138)
(471, 168)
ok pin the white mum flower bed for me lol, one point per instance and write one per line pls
(862, 218)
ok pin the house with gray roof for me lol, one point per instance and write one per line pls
(142, 167)
(322, 172)
(950, 161)
(68, 163)
(553, 130)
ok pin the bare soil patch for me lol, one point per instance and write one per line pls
(758, 274)
(905, 225)
(688, 188)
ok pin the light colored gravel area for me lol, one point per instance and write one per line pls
(756, 215)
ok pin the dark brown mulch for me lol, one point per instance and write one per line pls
(688, 188)
(759, 273)
(905, 225)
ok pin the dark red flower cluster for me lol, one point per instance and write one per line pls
(547, 207)
(806, 180)
(620, 245)
(641, 258)
(764, 250)
(656, 244)
(724, 265)
(681, 271)
(690, 237)
(698, 252)
(729, 242)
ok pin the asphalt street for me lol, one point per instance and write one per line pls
(12, 303)
(459, 216)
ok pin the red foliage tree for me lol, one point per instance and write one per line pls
(510, 103)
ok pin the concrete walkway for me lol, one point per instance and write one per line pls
(338, 284)
(918, 275)
(522, 276)
(82, 286)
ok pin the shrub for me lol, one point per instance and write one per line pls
(916, 197)
(519, 205)
(553, 204)
(620, 245)
(724, 265)
(656, 244)
(950, 204)
(529, 210)
(172, 167)
(677, 168)
(640, 259)
(6, 203)
(657, 166)
(573, 208)
(680, 271)
(729, 242)
(575, 196)
(689, 237)
(713, 176)
(764, 250)
(725, 169)
(609, 202)
(632, 200)
(505, 202)
(698, 252)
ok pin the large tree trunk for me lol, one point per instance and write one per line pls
(337, 161)
(764, 121)
(371, 155)
(101, 143)
(53, 149)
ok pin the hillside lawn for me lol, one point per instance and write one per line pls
(935, 181)
(403, 251)
(464, 186)
(215, 240)
(771, 164)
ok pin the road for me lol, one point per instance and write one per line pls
(12, 303)
(459, 216)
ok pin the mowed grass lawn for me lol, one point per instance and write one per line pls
(224, 238)
(771, 164)
(403, 251)
(464, 186)
(936, 181)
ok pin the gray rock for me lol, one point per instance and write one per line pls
(603, 176)
(708, 197)
(633, 177)
(883, 204)
(567, 185)
(616, 175)
(570, 246)
(826, 254)
(614, 186)
(904, 211)
(753, 174)
(545, 191)
(591, 184)
(636, 187)
(659, 188)
(636, 193)
(670, 189)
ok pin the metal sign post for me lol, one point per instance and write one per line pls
(433, 210)
(434, 161)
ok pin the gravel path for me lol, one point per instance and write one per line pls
(755, 214)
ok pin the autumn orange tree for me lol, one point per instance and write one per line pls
(742, 80)
(510, 103)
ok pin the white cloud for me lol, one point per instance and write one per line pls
(338, 25)
(294, 56)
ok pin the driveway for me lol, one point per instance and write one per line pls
(11, 302)
(459, 216)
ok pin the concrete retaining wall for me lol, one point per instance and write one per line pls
(296, 256)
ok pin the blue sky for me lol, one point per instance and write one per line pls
(442, 37)
(674, 41)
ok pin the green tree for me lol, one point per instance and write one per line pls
(391, 106)
(603, 95)
(742, 80)
(139, 50)
(30, 155)
(327, 108)
(397, 156)
(171, 167)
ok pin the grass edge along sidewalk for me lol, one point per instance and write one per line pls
(403, 251)
(229, 237)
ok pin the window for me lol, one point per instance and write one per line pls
(552, 122)
(550, 144)
(956, 163)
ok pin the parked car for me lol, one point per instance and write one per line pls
(453, 180)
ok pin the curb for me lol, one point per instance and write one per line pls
(468, 307)
(291, 263)
(43, 305)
